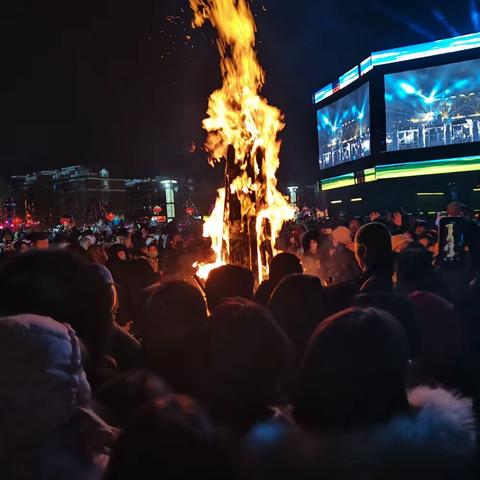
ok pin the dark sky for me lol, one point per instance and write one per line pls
(116, 83)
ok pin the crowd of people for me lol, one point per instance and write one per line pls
(357, 358)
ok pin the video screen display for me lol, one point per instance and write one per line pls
(433, 106)
(344, 129)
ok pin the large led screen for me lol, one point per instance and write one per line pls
(344, 129)
(433, 106)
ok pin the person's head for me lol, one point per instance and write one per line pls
(117, 252)
(341, 236)
(22, 246)
(67, 221)
(420, 227)
(400, 307)
(284, 264)
(313, 246)
(152, 251)
(76, 250)
(310, 243)
(228, 281)
(122, 397)
(354, 226)
(191, 238)
(296, 305)
(171, 438)
(6, 235)
(63, 286)
(138, 241)
(175, 241)
(173, 310)
(40, 241)
(97, 254)
(413, 267)
(173, 331)
(353, 373)
(294, 240)
(249, 356)
(439, 338)
(454, 209)
(373, 246)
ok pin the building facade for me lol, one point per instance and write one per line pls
(89, 195)
(173, 197)
(75, 190)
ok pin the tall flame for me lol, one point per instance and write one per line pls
(239, 117)
(214, 228)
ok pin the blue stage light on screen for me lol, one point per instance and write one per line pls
(344, 129)
(441, 18)
(407, 88)
(433, 106)
(474, 14)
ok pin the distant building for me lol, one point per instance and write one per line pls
(75, 190)
(305, 195)
(87, 195)
(172, 196)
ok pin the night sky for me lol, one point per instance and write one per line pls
(123, 84)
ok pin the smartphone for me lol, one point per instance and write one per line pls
(452, 248)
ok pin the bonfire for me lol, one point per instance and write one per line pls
(243, 136)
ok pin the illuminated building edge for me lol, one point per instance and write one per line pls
(401, 54)
(402, 170)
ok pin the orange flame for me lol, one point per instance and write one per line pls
(214, 228)
(239, 117)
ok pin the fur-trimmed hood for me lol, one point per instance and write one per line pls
(435, 440)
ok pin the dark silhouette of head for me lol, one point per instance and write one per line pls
(120, 399)
(400, 307)
(353, 373)
(171, 439)
(454, 209)
(249, 356)
(281, 265)
(117, 253)
(63, 286)
(226, 282)
(296, 304)
(354, 226)
(373, 247)
(284, 264)
(97, 254)
(414, 271)
(440, 340)
(173, 331)
(310, 243)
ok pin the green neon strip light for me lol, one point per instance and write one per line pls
(370, 174)
(402, 170)
(338, 182)
(430, 167)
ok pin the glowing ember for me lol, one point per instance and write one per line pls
(240, 119)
